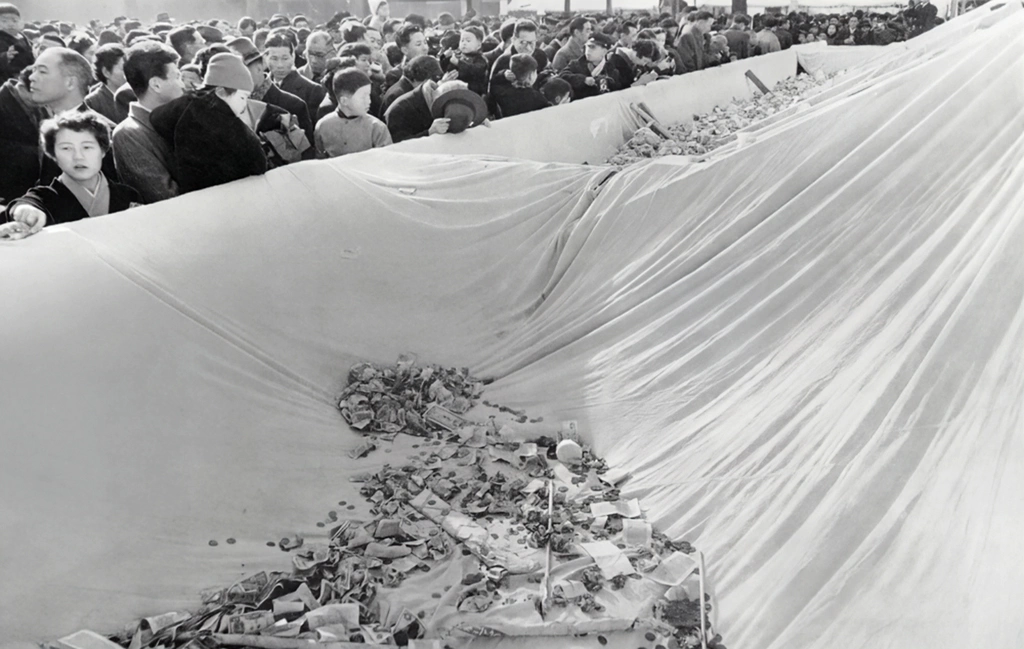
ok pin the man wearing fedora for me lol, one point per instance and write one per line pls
(264, 88)
(448, 107)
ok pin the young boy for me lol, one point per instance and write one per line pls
(350, 129)
(362, 54)
(77, 142)
(521, 96)
(469, 60)
(557, 91)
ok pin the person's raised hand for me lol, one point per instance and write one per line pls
(11, 53)
(510, 75)
(450, 75)
(440, 125)
(590, 81)
(32, 218)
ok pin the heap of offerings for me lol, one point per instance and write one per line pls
(488, 524)
(708, 131)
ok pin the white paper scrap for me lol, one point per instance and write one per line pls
(636, 532)
(624, 508)
(674, 569)
(608, 558)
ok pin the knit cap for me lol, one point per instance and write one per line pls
(227, 70)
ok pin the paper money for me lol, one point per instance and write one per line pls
(624, 508)
(444, 418)
(608, 558)
(302, 594)
(674, 569)
(347, 614)
(282, 609)
(250, 623)
(284, 629)
(405, 620)
(636, 532)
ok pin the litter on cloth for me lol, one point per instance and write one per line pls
(709, 131)
(507, 540)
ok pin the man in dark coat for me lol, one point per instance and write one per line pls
(19, 138)
(15, 50)
(690, 43)
(264, 89)
(419, 70)
(410, 117)
(279, 53)
(739, 37)
(524, 41)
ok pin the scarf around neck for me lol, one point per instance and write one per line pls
(96, 202)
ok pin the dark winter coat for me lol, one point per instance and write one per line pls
(19, 143)
(211, 145)
(409, 117)
(516, 101)
(10, 68)
(473, 69)
(578, 72)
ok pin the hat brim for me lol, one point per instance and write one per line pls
(464, 96)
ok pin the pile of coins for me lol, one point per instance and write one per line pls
(708, 131)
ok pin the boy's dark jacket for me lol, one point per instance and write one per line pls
(473, 69)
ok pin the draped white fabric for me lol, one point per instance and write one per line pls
(807, 349)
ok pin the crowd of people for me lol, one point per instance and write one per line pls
(97, 118)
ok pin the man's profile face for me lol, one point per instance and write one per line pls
(628, 36)
(588, 29)
(47, 82)
(525, 42)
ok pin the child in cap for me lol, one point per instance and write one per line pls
(350, 128)
(469, 60)
(521, 96)
(77, 142)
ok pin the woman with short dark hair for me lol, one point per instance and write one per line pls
(77, 142)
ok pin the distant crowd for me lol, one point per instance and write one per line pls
(97, 118)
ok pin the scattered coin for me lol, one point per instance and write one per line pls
(213, 543)
(231, 541)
